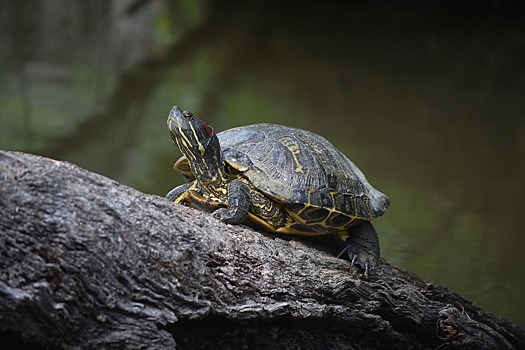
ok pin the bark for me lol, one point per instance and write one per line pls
(86, 262)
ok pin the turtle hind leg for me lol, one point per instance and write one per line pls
(362, 246)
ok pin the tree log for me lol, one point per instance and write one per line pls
(86, 262)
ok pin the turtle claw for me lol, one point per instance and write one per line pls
(219, 213)
(353, 262)
(223, 215)
(353, 257)
(344, 250)
(362, 247)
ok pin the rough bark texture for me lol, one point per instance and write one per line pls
(87, 262)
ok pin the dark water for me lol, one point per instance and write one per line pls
(428, 100)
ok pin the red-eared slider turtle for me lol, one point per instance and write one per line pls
(279, 179)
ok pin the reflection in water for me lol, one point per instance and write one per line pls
(427, 102)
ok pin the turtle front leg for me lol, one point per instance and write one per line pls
(362, 246)
(177, 194)
(238, 204)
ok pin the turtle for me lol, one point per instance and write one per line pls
(277, 178)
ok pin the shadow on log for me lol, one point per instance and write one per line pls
(87, 262)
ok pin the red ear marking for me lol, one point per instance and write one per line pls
(206, 127)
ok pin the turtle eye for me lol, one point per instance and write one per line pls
(187, 114)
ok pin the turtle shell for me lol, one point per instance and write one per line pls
(301, 170)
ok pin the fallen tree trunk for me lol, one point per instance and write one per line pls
(88, 262)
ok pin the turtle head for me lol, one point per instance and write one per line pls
(192, 135)
(198, 142)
